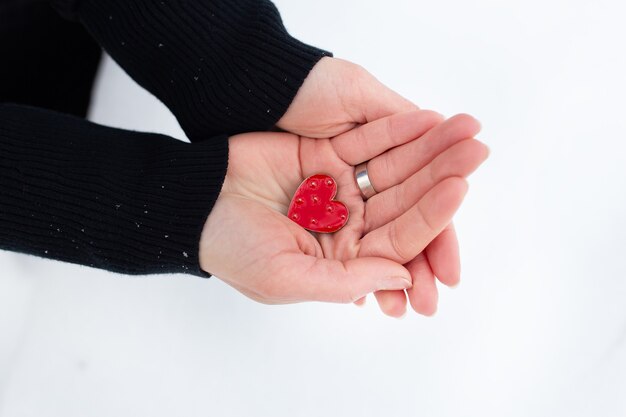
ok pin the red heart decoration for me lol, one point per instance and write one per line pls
(313, 207)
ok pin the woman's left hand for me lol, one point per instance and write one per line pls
(416, 163)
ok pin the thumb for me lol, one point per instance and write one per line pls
(375, 100)
(343, 282)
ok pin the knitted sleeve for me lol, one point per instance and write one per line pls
(123, 201)
(221, 66)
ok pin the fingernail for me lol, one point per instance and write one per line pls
(455, 286)
(395, 283)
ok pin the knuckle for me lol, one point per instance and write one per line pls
(396, 245)
(428, 222)
(399, 202)
(390, 127)
(387, 169)
(361, 139)
(432, 172)
(344, 285)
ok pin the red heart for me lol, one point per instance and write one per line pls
(313, 207)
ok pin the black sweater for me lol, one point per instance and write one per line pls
(135, 202)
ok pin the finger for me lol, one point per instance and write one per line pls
(361, 302)
(297, 277)
(398, 164)
(392, 302)
(403, 238)
(372, 139)
(443, 256)
(460, 160)
(423, 295)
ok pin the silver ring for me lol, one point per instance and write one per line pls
(363, 181)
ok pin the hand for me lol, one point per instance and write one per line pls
(338, 96)
(249, 242)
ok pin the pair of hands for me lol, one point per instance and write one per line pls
(395, 244)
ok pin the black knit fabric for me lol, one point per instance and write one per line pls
(221, 66)
(45, 60)
(128, 202)
(131, 202)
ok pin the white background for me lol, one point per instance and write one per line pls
(537, 327)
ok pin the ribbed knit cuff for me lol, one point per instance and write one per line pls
(133, 203)
(221, 66)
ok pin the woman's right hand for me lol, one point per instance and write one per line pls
(250, 243)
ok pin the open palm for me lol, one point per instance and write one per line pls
(416, 165)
